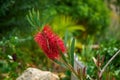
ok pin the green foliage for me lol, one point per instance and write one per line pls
(88, 12)
(12, 15)
(17, 53)
(58, 23)
(34, 18)
(62, 23)
(17, 48)
(5, 6)
(37, 19)
(84, 13)
(107, 48)
(87, 51)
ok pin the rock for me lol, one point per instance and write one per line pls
(36, 74)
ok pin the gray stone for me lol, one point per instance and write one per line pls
(36, 74)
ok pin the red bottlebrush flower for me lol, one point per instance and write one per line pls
(50, 43)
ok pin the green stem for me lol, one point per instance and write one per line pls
(71, 69)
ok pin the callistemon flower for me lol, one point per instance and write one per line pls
(50, 43)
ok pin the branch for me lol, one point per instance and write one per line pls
(109, 63)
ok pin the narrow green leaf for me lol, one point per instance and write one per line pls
(72, 52)
(34, 14)
(77, 27)
(66, 38)
(31, 18)
(63, 56)
(28, 18)
(38, 18)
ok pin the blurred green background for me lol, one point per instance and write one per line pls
(91, 22)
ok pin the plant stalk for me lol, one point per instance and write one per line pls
(113, 57)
